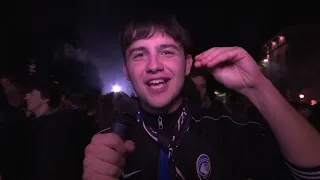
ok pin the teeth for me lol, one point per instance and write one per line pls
(155, 82)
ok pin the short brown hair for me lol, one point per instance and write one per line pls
(144, 27)
(48, 89)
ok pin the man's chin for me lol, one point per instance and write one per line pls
(159, 105)
(164, 106)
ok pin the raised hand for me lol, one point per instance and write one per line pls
(231, 66)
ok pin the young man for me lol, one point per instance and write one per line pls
(201, 84)
(174, 140)
(56, 138)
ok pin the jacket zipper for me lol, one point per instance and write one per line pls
(160, 124)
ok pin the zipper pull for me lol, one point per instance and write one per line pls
(160, 124)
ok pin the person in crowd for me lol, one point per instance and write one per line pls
(13, 91)
(191, 92)
(55, 139)
(172, 139)
(201, 84)
(13, 121)
(199, 79)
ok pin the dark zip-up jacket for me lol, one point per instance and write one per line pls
(216, 147)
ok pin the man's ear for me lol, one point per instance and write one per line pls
(125, 71)
(189, 62)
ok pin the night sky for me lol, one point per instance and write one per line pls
(33, 24)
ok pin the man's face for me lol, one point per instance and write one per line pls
(200, 82)
(156, 68)
(34, 100)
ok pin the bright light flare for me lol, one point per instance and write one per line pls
(116, 88)
(281, 38)
(301, 96)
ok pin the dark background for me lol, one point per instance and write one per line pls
(35, 26)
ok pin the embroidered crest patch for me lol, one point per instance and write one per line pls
(203, 166)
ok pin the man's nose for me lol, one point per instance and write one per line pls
(26, 96)
(154, 64)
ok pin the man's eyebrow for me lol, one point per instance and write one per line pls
(163, 46)
(141, 48)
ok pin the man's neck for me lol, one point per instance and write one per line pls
(174, 105)
(41, 110)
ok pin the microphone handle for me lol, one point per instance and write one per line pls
(120, 129)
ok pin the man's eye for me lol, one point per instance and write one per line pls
(138, 55)
(167, 52)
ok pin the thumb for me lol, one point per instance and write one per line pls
(129, 146)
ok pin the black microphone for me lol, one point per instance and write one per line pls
(127, 114)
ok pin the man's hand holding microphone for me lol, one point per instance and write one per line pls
(105, 157)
